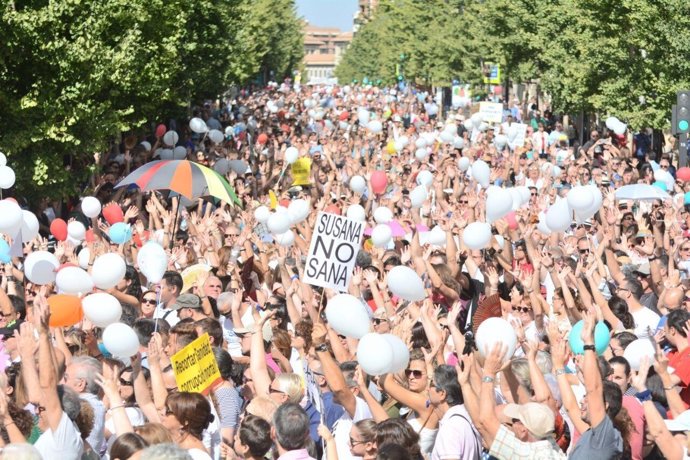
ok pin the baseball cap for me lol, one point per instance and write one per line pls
(8, 331)
(539, 419)
(680, 423)
(644, 269)
(186, 301)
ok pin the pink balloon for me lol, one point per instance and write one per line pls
(160, 130)
(379, 181)
(512, 222)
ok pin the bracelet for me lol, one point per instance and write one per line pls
(589, 347)
(117, 407)
(560, 372)
(322, 348)
(11, 423)
(669, 388)
(487, 379)
(294, 277)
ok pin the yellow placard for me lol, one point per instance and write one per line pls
(273, 199)
(195, 367)
(301, 170)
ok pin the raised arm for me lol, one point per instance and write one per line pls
(334, 376)
(47, 377)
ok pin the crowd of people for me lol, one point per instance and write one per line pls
(585, 304)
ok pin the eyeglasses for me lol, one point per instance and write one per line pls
(533, 194)
(228, 235)
(664, 166)
(522, 309)
(685, 249)
(464, 202)
(620, 288)
(378, 321)
(416, 373)
(583, 251)
(149, 301)
(354, 442)
(126, 383)
(628, 218)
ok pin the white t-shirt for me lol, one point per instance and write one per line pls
(342, 427)
(198, 454)
(211, 435)
(64, 443)
(645, 318)
(169, 315)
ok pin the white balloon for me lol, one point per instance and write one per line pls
(516, 197)
(481, 173)
(451, 128)
(383, 215)
(381, 235)
(420, 143)
(620, 128)
(580, 198)
(476, 120)
(358, 184)
(464, 164)
(496, 330)
(398, 146)
(146, 145)
(637, 350)
(90, 206)
(7, 177)
(198, 125)
(298, 210)
(446, 137)
(418, 196)
(40, 267)
(611, 122)
(285, 239)
(102, 309)
(363, 117)
(3, 159)
(278, 223)
(662, 175)
(406, 283)
(375, 126)
(261, 214)
(120, 340)
(375, 354)
(558, 216)
(179, 153)
(348, 316)
(468, 124)
(76, 230)
(477, 235)
(500, 141)
(108, 270)
(216, 136)
(74, 281)
(84, 257)
(483, 126)
(556, 172)
(404, 141)
(291, 155)
(401, 354)
(152, 261)
(170, 138)
(581, 216)
(421, 154)
(541, 226)
(437, 236)
(498, 204)
(459, 143)
(166, 154)
(29, 226)
(356, 212)
(425, 177)
(11, 217)
(525, 192)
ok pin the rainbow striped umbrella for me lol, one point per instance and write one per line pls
(187, 178)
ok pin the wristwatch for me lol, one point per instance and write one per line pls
(589, 347)
(322, 348)
(487, 379)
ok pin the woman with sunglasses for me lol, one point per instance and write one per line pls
(413, 396)
(149, 299)
(186, 416)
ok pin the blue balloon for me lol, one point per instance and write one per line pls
(686, 199)
(602, 338)
(120, 233)
(5, 256)
(661, 185)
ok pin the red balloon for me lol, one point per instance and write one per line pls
(344, 116)
(65, 310)
(160, 130)
(113, 214)
(262, 139)
(683, 174)
(58, 228)
(512, 222)
(332, 209)
(379, 181)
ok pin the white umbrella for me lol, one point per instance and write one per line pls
(641, 192)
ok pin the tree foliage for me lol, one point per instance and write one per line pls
(620, 57)
(75, 73)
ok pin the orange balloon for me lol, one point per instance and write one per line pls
(65, 310)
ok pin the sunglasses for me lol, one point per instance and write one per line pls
(227, 235)
(522, 309)
(378, 321)
(464, 202)
(414, 373)
(583, 251)
(126, 383)
(273, 390)
(149, 301)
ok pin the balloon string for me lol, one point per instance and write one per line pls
(158, 301)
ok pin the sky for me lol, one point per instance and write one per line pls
(328, 13)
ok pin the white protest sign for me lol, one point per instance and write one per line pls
(333, 251)
(492, 112)
(520, 130)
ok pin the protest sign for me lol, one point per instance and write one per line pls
(195, 367)
(492, 112)
(333, 251)
(301, 169)
(520, 134)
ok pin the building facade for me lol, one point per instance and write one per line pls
(323, 49)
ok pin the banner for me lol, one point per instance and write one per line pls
(520, 130)
(492, 112)
(195, 367)
(301, 170)
(333, 251)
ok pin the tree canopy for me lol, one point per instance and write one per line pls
(75, 73)
(624, 58)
